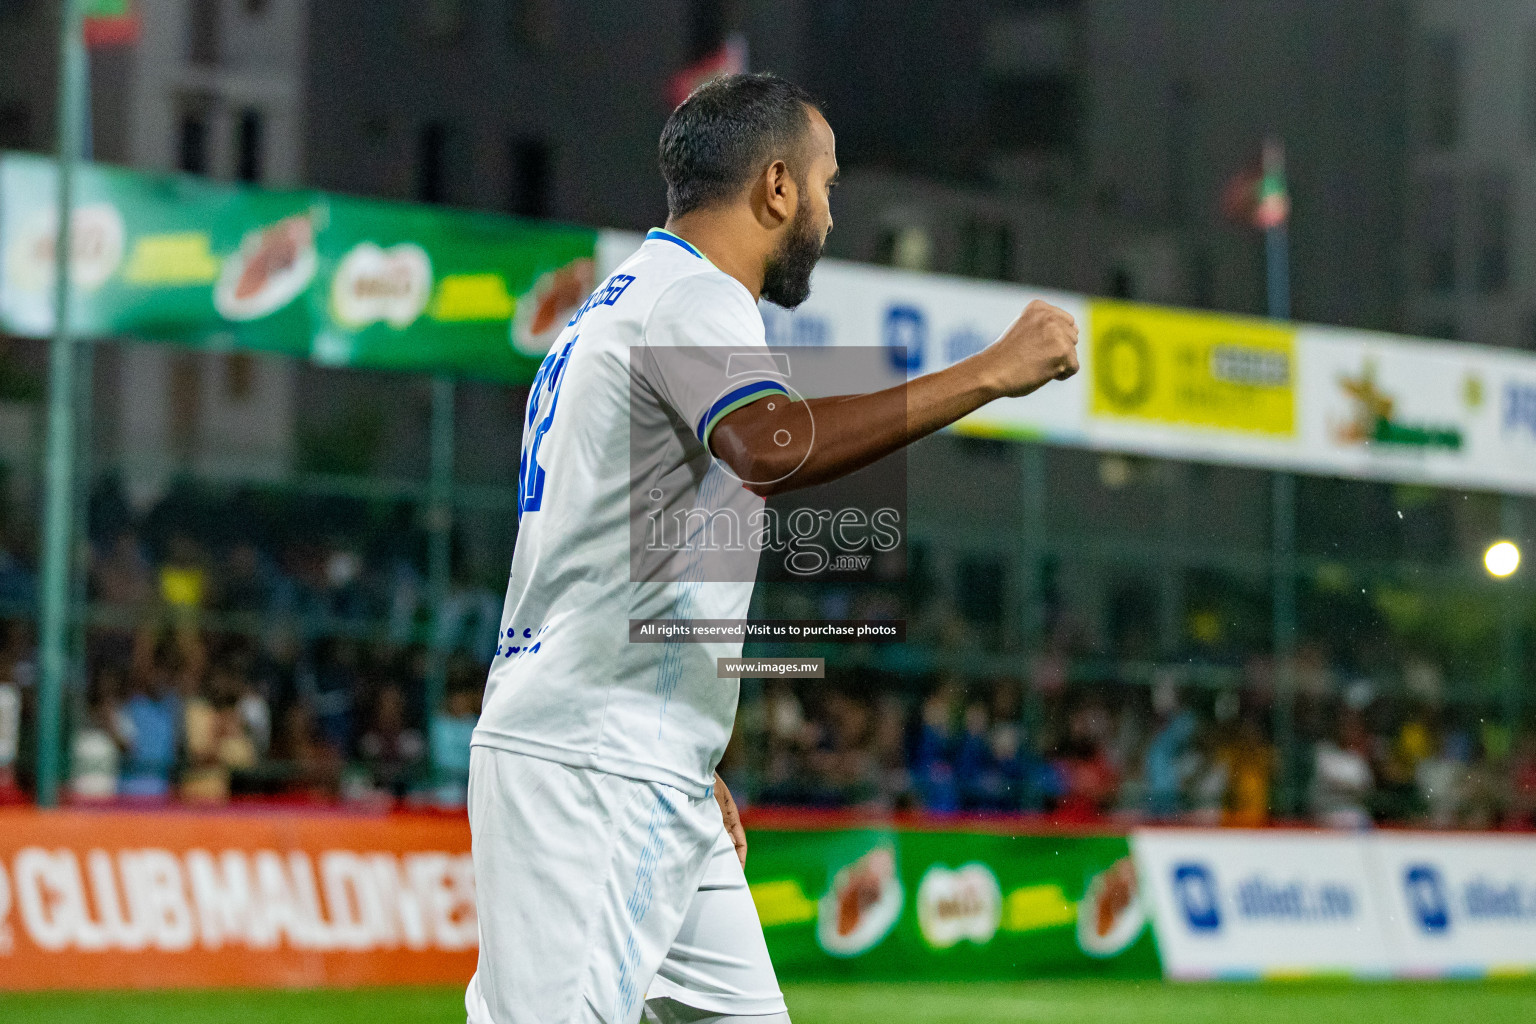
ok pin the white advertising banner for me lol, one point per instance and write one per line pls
(1459, 905)
(1230, 903)
(1195, 385)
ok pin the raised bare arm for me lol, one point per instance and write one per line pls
(777, 445)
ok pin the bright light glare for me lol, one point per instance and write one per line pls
(1502, 558)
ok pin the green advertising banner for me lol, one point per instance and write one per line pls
(893, 904)
(342, 281)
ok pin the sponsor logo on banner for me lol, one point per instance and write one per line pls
(97, 237)
(966, 903)
(1463, 904)
(269, 270)
(1517, 420)
(906, 336)
(543, 312)
(1191, 369)
(374, 285)
(162, 900)
(799, 328)
(135, 899)
(1375, 418)
(1238, 903)
(862, 904)
(1112, 913)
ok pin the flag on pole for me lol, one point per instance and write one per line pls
(110, 23)
(1257, 196)
(730, 58)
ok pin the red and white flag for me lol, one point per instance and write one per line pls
(730, 58)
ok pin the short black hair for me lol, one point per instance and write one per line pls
(724, 131)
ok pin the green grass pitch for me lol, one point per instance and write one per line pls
(1084, 1002)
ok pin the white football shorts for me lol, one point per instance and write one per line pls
(596, 892)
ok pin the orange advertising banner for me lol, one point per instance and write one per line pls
(170, 899)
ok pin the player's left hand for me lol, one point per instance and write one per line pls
(732, 818)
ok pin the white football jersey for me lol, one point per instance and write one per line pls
(617, 425)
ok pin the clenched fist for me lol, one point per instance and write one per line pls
(1037, 348)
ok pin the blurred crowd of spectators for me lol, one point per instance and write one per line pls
(226, 661)
(220, 663)
(1130, 753)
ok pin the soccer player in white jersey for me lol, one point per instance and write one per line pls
(608, 854)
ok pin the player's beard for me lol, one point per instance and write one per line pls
(787, 275)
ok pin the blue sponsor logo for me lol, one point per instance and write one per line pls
(1194, 886)
(1427, 898)
(799, 329)
(964, 343)
(1265, 899)
(906, 335)
(1520, 409)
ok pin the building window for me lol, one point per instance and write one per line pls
(441, 21)
(1491, 210)
(1440, 91)
(239, 376)
(432, 163)
(192, 142)
(248, 138)
(1530, 87)
(1435, 217)
(706, 27)
(1037, 113)
(528, 178)
(531, 23)
(15, 126)
(203, 32)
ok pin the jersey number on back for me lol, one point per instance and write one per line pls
(543, 396)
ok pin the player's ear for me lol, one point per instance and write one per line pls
(779, 194)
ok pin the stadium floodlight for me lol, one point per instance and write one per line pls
(1502, 558)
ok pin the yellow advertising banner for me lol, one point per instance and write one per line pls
(1179, 368)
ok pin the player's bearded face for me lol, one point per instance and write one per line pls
(787, 277)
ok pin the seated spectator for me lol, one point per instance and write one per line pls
(1167, 764)
(123, 576)
(314, 766)
(1250, 764)
(17, 582)
(1342, 777)
(248, 586)
(96, 750)
(890, 750)
(849, 774)
(183, 579)
(10, 737)
(336, 683)
(1522, 783)
(149, 725)
(217, 741)
(1440, 776)
(391, 750)
(989, 764)
(933, 764)
(451, 732)
(1084, 766)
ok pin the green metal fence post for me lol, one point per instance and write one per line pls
(440, 544)
(58, 523)
(1283, 615)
